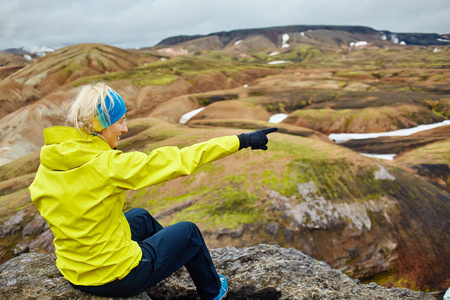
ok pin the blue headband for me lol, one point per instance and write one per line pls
(116, 109)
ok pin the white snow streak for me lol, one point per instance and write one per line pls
(187, 116)
(342, 137)
(277, 118)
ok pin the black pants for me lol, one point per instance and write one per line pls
(164, 250)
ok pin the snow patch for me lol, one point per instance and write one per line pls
(443, 40)
(435, 50)
(278, 62)
(402, 43)
(447, 295)
(342, 137)
(285, 38)
(27, 56)
(381, 156)
(358, 44)
(274, 53)
(303, 35)
(187, 116)
(277, 118)
(237, 42)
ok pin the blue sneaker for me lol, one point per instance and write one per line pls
(223, 289)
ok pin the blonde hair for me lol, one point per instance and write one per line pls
(84, 107)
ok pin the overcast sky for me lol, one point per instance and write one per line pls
(143, 23)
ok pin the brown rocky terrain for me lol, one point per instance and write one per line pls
(15, 95)
(71, 63)
(11, 62)
(382, 221)
(260, 272)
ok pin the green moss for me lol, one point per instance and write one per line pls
(262, 57)
(256, 93)
(334, 179)
(101, 77)
(21, 166)
(390, 278)
(298, 150)
(300, 53)
(155, 81)
(348, 120)
(233, 180)
(229, 207)
(15, 201)
(211, 168)
(166, 72)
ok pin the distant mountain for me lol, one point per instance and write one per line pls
(28, 52)
(342, 35)
(13, 51)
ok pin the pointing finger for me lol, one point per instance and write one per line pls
(269, 130)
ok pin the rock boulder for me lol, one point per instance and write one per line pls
(259, 272)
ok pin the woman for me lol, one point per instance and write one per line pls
(79, 189)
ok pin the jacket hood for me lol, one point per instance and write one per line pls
(67, 148)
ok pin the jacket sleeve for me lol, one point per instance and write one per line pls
(136, 170)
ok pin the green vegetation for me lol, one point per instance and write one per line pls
(205, 100)
(166, 72)
(389, 278)
(155, 81)
(430, 154)
(227, 207)
(19, 167)
(300, 53)
(375, 59)
(334, 179)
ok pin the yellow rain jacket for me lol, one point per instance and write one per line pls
(79, 189)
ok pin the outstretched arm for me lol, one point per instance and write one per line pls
(136, 170)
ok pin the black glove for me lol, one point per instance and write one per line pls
(256, 139)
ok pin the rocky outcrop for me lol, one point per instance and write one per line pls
(35, 276)
(259, 272)
(25, 231)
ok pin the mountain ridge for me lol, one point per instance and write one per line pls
(273, 32)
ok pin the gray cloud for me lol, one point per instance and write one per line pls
(141, 23)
